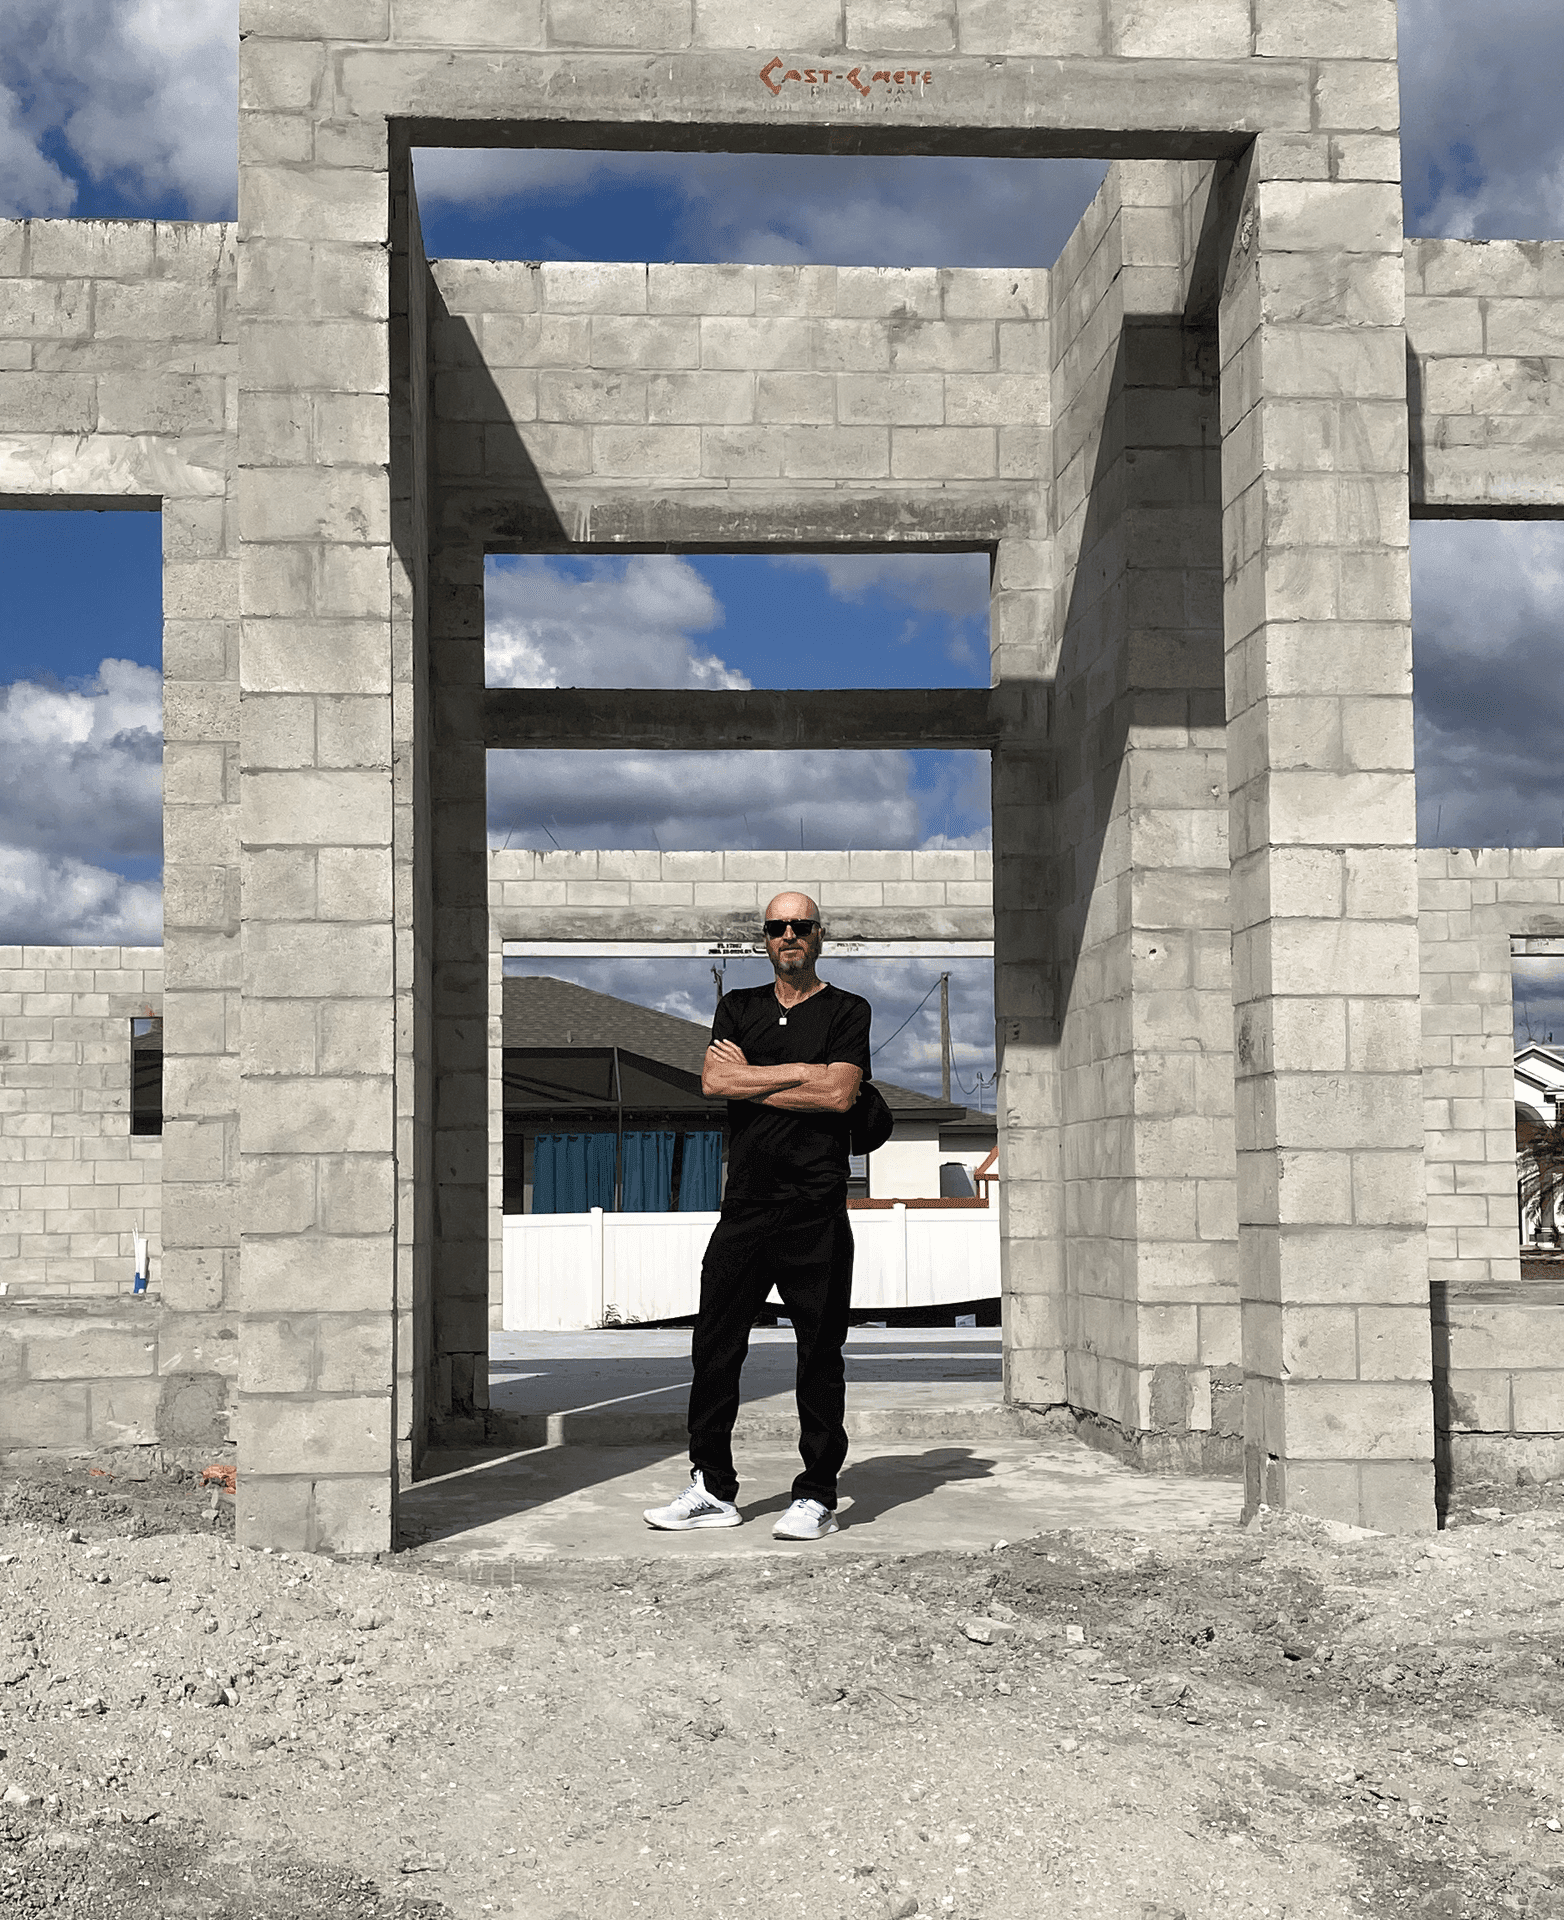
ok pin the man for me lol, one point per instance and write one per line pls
(790, 1056)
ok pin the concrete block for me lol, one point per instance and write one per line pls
(943, 453)
(815, 25)
(630, 341)
(741, 453)
(125, 1412)
(716, 398)
(354, 1356)
(1359, 1422)
(593, 287)
(1194, 30)
(656, 24)
(1397, 1497)
(353, 1515)
(48, 402)
(1325, 29)
(697, 290)
(663, 453)
(839, 453)
(592, 397)
(317, 1115)
(50, 1417)
(755, 345)
(901, 399)
(795, 398)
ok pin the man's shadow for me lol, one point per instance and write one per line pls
(875, 1486)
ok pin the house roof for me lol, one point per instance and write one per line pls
(543, 1014)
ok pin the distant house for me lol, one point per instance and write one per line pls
(603, 1107)
(1539, 1083)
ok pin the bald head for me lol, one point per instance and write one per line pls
(787, 904)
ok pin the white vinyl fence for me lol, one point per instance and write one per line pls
(572, 1270)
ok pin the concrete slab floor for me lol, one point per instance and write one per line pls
(533, 1373)
(581, 1502)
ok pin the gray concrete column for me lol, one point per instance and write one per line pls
(317, 1108)
(1333, 1251)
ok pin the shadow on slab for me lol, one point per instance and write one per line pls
(474, 1491)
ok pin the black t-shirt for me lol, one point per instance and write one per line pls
(777, 1158)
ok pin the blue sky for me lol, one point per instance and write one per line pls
(125, 108)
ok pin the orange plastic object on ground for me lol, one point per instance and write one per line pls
(221, 1476)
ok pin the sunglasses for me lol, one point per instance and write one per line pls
(776, 928)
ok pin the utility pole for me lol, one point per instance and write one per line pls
(944, 1037)
(717, 977)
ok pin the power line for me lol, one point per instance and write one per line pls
(908, 1021)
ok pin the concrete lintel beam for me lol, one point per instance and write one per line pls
(734, 929)
(647, 719)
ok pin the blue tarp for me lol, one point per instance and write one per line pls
(700, 1179)
(648, 1172)
(572, 1172)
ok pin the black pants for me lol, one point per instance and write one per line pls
(808, 1258)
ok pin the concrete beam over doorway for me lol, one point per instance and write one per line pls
(656, 718)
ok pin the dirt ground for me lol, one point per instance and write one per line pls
(1289, 1720)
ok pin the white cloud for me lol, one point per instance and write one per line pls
(953, 584)
(540, 798)
(81, 777)
(66, 902)
(1486, 601)
(144, 92)
(1484, 138)
(850, 210)
(30, 183)
(81, 768)
(602, 623)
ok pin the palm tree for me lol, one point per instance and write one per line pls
(1540, 1173)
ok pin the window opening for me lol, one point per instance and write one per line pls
(146, 1076)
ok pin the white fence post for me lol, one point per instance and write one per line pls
(900, 1212)
(600, 1264)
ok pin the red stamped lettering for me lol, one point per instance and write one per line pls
(868, 83)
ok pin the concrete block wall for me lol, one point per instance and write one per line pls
(119, 366)
(596, 379)
(119, 387)
(1150, 1307)
(1332, 1209)
(321, 1254)
(76, 1185)
(85, 1374)
(640, 894)
(1498, 1384)
(1499, 1392)
(1485, 331)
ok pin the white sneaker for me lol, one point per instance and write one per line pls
(695, 1507)
(805, 1520)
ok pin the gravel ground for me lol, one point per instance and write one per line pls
(1293, 1720)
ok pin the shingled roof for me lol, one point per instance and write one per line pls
(548, 1014)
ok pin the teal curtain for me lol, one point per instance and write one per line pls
(648, 1172)
(572, 1172)
(700, 1179)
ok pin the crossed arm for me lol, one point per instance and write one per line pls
(797, 1087)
